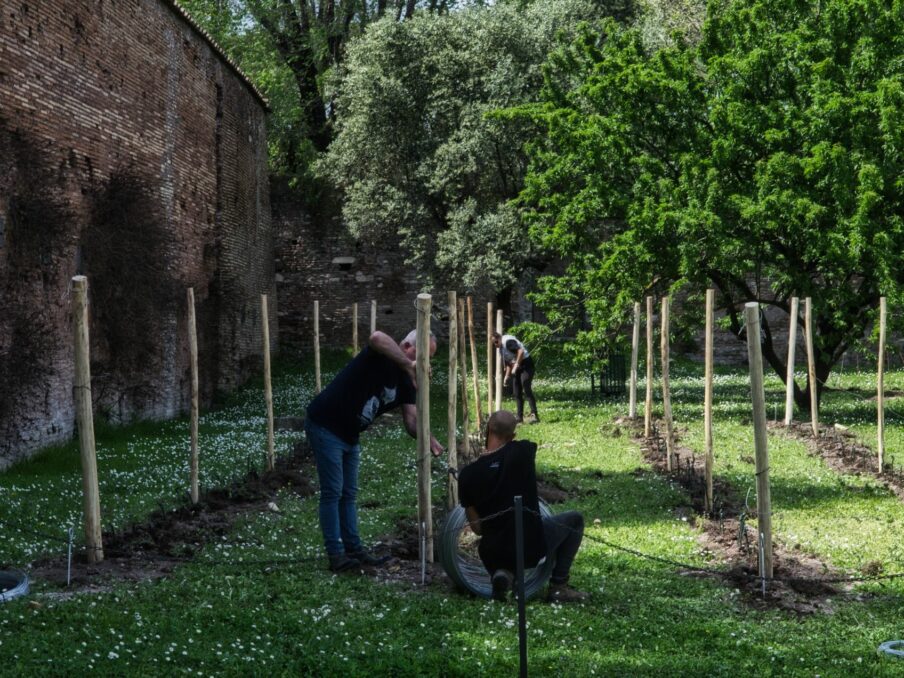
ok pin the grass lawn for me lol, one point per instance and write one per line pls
(644, 618)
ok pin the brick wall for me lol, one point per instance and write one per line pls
(119, 120)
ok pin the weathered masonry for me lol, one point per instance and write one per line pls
(134, 152)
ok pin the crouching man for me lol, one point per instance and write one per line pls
(489, 486)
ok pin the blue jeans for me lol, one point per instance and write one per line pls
(337, 469)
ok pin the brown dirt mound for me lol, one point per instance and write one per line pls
(727, 538)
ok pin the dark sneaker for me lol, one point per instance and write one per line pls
(339, 562)
(563, 593)
(368, 559)
(502, 582)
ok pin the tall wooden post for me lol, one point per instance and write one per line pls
(490, 389)
(463, 361)
(85, 418)
(708, 460)
(317, 345)
(880, 395)
(268, 385)
(792, 348)
(194, 490)
(648, 402)
(666, 389)
(355, 328)
(452, 440)
(424, 507)
(373, 316)
(635, 345)
(499, 363)
(475, 375)
(763, 499)
(811, 367)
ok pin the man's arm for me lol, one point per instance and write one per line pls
(385, 345)
(473, 519)
(518, 358)
(409, 418)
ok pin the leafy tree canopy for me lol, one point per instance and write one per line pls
(766, 161)
(415, 153)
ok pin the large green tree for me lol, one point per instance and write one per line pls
(766, 161)
(416, 154)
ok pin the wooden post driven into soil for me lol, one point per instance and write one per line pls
(758, 396)
(268, 385)
(708, 460)
(475, 375)
(452, 420)
(792, 348)
(648, 402)
(317, 345)
(499, 363)
(193, 489)
(465, 418)
(373, 316)
(424, 507)
(880, 394)
(666, 390)
(355, 328)
(489, 358)
(635, 345)
(85, 417)
(811, 367)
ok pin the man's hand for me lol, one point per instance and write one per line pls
(436, 448)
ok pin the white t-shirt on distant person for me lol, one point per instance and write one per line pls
(510, 347)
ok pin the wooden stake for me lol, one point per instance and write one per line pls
(490, 389)
(317, 346)
(355, 328)
(708, 461)
(475, 376)
(463, 361)
(635, 345)
(268, 386)
(373, 316)
(792, 348)
(648, 403)
(193, 488)
(880, 399)
(424, 506)
(763, 499)
(499, 363)
(85, 417)
(452, 420)
(811, 367)
(666, 390)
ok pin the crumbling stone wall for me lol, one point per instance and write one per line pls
(131, 151)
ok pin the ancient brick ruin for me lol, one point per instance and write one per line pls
(132, 151)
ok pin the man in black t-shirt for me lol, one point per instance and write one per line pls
(379, 379)
(489, 486)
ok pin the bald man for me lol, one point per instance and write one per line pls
(489, 485)
(379, 379)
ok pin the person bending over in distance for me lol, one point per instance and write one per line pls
(519, 368)
(380, 378)
(489, 485)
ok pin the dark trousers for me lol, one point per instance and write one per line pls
(522, 385)
(563, 534)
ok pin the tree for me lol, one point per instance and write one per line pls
(767, 161)
(416, 153)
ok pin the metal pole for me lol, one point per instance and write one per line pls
(519, 585)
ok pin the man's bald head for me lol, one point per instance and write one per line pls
(501, 426)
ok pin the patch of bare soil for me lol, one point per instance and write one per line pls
(152, 549)
(727, 537)
(843, 452)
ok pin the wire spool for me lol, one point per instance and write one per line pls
(12, 584)
(893, 648)
(458, 556)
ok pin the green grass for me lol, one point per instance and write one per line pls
(643, 618)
